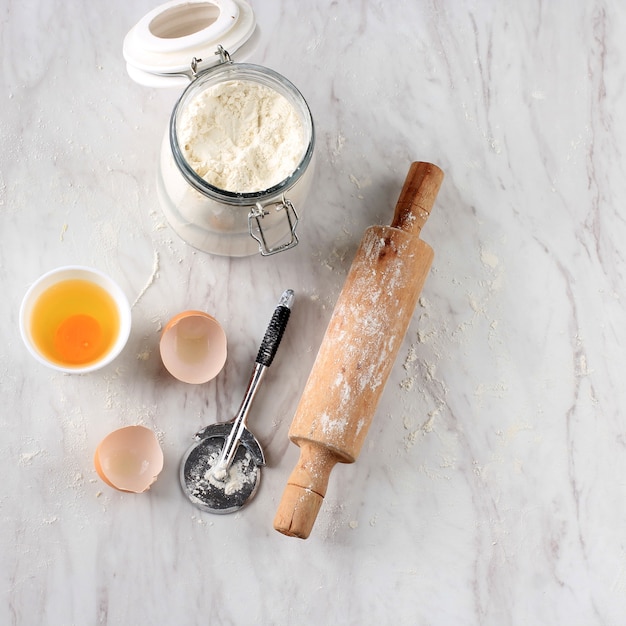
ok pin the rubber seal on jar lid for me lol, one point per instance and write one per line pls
(159, 49)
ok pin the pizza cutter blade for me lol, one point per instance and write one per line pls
(220, 472)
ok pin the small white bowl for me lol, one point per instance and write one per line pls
(60, 275)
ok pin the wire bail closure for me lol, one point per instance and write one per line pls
(258, 212)
(223, 54)
(195, 61)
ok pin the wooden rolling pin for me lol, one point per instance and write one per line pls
(358, 351)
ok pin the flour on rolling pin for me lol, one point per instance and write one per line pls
(359, 348)
(364, 325)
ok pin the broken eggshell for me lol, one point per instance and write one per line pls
(193, 347)
(129, 459)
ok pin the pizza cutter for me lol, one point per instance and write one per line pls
(221, 471)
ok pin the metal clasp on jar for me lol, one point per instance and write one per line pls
(195, 62)
(258, 212)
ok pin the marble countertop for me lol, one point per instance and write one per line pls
(492, 485)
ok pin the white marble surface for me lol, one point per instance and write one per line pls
(492, 487)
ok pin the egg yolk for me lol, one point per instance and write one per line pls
(79, 339)
(74, 322)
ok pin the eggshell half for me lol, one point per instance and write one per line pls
(129, 459)
(193, 347)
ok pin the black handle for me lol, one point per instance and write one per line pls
(275, 330)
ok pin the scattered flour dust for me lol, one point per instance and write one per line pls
(26, 458)
(336, 148)
(416, 431)
(407, 383)
(237, 477)
(337, 519)
(489, 259)
(153, 276)
(360, 184)
(144, 355)
(234, 479)
(417, 370)
(241, 136)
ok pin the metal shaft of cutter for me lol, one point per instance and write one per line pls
(265, 356)
(239, 424)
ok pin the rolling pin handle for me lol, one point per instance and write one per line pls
(417, 197)
(305, 491)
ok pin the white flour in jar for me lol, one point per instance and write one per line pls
(241, 136)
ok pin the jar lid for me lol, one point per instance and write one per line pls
(160, 48)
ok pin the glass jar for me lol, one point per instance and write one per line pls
(234, 223)
(175, 43)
